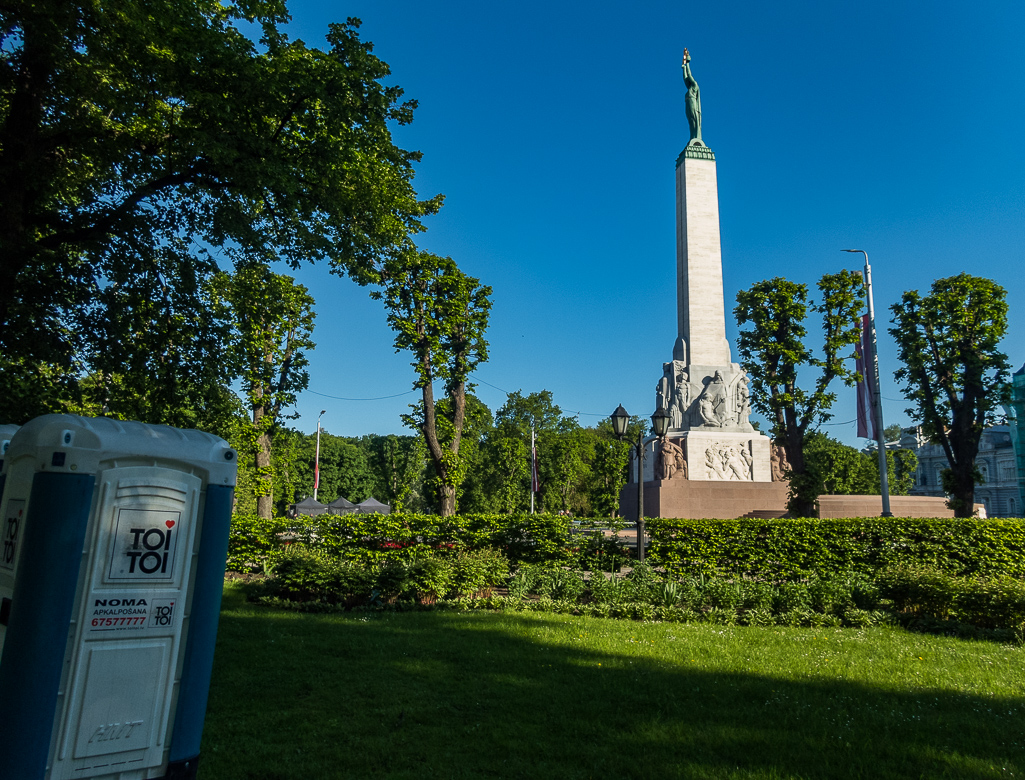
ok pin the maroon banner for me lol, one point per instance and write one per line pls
(866, 386)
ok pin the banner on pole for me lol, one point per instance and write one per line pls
(535, 485)
(866, 386)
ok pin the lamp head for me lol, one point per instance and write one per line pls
(660, 422)
(620, 420)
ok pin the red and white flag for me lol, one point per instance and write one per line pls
(866, 387)
(316, 475)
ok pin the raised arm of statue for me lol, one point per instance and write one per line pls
(693, 101)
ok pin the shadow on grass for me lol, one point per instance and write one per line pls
(453, 695)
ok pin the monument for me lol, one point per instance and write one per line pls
(711, 439)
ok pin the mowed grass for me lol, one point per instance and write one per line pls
(515, 695)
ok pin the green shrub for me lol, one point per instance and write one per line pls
(721, 594)
(607, 590)
(642, 583)
(559, 583)
(758, 617)
(478, 572)
(755, 595)
(668, 594)
(523, 582)
(431, 578)
(985, 602)
(830, 596)
(720, 616)
(787, 549)
(598, 552)
(790, 597)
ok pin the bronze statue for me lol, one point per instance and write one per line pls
(693, 102)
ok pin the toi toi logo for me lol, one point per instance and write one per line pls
(149, 549)
(144, 544)
(162, 613)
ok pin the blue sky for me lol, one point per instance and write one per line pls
(553, 128)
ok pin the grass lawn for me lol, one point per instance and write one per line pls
(523, 695)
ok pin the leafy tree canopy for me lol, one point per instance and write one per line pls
(132, 133)
(520, 412)
(772, 348)
(954, 373)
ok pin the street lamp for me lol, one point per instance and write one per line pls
(660, 424)
(877, 400)
(316, 461)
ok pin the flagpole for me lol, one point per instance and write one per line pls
(533, 469)
(877, 399)
(316, 461)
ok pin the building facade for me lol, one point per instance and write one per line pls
(997, 462)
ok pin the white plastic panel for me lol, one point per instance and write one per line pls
(121, 686)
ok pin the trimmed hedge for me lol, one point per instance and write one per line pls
(255, 543)
(787, 549)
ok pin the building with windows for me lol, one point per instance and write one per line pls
(997, 461)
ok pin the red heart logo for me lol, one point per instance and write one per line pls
(169, 523)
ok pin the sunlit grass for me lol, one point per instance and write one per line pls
(523, 695)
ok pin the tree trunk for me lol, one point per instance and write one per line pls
(801, 502)
(264, 481)
(447, 496)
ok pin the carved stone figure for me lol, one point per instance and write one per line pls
(712, 402)
(681, 464)
(663, 393)
(743, 400)
(738, 460)
(693, 102)
(713, 462)
(681, 398)
(670, 458)
(779, 463)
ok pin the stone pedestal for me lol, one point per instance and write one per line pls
(709, 500)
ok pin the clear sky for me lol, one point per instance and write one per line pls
(553, 128)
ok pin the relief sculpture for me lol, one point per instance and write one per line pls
(712, 402)
(729, 461)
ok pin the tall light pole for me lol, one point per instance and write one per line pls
(877, 399)
(660, 424)
(316, 462)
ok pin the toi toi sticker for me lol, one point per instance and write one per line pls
(145, 543)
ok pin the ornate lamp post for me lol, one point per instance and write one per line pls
(660, 424)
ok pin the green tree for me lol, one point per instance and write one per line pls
(272, 327)
(399, 464)
(440, 315)
(132, 132)
(954, 373)
(772, 350)
(837, 469)
(501, 478)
